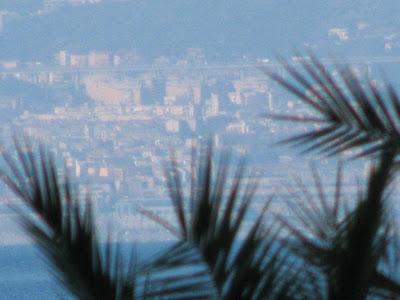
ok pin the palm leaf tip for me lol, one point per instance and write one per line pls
(63, 228)
(238, 261)
(355, 114)
(348, 248)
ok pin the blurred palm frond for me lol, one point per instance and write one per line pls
(241, 263)
(353, 249)
(63, 227)
(350, 113)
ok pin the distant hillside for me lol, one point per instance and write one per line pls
(22, 7)
(225, 29)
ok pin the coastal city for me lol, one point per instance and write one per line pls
(115, 123)
(115, 103)
(213, 149)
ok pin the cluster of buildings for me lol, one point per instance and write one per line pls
(95, 59)
(102, 59)
(117, 142)
(50, 5)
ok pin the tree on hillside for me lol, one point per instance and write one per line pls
(325, 249)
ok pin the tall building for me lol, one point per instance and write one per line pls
(99, 59)
(62, 57)
(3, 15)
(1, 21)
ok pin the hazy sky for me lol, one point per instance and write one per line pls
(225, 29)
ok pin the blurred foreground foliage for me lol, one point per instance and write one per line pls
(324, 248)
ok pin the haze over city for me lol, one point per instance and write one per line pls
(111, 86)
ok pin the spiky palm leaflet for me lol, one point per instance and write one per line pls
(252, 266)
(350, 113)
(349, 253)
(64, 229)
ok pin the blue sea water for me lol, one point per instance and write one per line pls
(24, 273)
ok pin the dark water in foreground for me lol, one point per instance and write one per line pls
(24, 273)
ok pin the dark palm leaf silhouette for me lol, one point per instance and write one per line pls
(347, 245)
(350, 113)
(324, 250)
(256, 266)
(209, 261)
(63, 228)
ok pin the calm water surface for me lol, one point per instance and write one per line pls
(24, 273)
